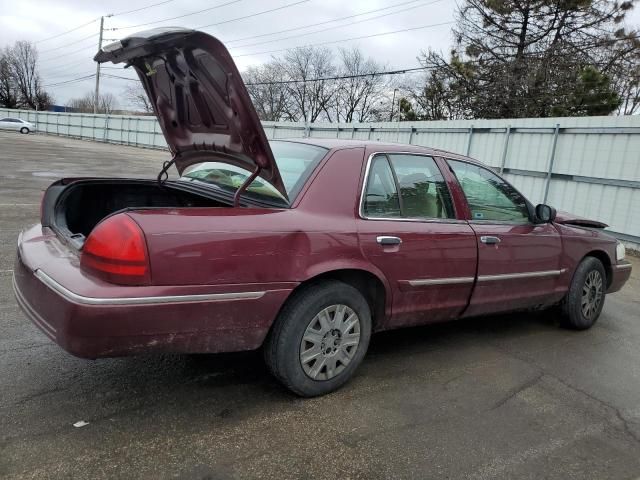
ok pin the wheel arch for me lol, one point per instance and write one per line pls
(606, 263)
(372, 285)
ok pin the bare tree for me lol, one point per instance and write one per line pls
(445, 91)
(43, 99)
(310, 96)
(20, 83)
(9, 97)
(267, 88)
(23, 60)
(626, 81)
(137, 97)
(359, 94)
(106, 103)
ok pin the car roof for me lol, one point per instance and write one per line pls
(340, 144)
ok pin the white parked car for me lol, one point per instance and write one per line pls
(16, 124)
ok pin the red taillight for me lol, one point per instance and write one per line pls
(116, 250)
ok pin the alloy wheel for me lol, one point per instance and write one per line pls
(591, 294)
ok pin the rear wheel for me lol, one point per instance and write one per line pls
(319, 338)
(24, 130)
(584, 301)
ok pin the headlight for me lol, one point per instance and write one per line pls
(620, 252)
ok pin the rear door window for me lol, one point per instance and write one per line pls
(381, 195)
(406, 186)
(423, 191)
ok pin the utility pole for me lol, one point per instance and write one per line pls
(393, 104)
(97, 94)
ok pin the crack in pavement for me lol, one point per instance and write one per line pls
(615, 410)
(519, 389)
(625, 422)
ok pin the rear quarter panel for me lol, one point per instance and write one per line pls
(209, 246)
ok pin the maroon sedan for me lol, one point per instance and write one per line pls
(301, 247)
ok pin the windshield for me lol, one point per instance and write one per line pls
(295, 161)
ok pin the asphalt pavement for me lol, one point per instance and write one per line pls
(510, 396)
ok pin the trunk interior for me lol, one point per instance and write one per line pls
(83, 204)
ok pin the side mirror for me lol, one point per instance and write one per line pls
(545, 213)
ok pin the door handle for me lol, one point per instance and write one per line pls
(489, 240)
(385, 240)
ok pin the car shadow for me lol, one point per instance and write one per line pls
(224, 369)
(228, 384)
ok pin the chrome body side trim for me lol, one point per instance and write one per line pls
(440, 281)
(81, 299)
(517, 276)
(623, 266)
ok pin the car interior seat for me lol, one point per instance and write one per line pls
(418, 197)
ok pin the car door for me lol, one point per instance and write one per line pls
(408, 229)
(14, 124)
(5, 124)
(518, 259)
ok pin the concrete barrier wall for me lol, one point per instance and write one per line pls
(589, 166)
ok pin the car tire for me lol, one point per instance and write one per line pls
(24, 130)
(310, 348)
(584, 301)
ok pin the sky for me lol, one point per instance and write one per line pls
(69, 56)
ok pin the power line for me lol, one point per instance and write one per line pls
(337, 77)
(74, 80)
(253, 14)
(514, 100)
(67, 31)
(67, 54)
(58, 76)
(320, 23)
(141, 8)
(340, 26)
(342, 77)
(119, 77)
(65, 66)
(69, 44)
(174, 18)
(349, 39)
(312, 80)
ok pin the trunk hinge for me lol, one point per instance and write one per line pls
(164, 175)
(243, 187)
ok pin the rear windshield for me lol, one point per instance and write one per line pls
(295, 161)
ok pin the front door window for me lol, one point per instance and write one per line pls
(489, 197)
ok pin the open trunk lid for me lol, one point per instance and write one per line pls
(198, 95)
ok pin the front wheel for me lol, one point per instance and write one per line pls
(24, 130)
(584, 301)
(319, 338)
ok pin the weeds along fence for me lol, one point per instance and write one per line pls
(589, 166)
